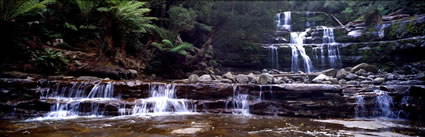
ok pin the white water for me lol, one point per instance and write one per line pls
(274, 57)
(162, 101)
(297, 40)
(75, 102)
(239, 103)
(285, 25)
(333, 48)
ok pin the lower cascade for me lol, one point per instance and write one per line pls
(239, 102)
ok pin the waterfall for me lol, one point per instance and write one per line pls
(75, 101)
(360, 108)
(286, 20)
(274, 57)
(239, 102)
(384, 102)
(162, 101)
(333, 47)
(297, 40)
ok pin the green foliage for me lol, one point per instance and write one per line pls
(169, 47)
(86, 6)
(10, 9)
(49, 61)
(130, 15)
(181, 18)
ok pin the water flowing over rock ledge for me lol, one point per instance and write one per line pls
(23, 98)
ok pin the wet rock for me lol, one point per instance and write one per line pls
(88, 78)
(366, 67)
(390, 76)
(225, 80)
(342, 81)
(341, 73)
(378, 81)
(241, 78)
(326, 82)
(412, 82)
(420, 76)
(321, 78)
(252, 78)
(351, 76)
(334, 80)
(278, 80)
(361, 72)
(265, 78)
(193, 78)
(392, 82)
(330, 72)
(205, 77)
(229, 75)
(365, 82)
(264, 71)
(190, 130)
(352, 82)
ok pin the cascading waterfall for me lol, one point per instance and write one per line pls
(384, 102)
(332, 46)
(297, 40)
(360, 108)
(73, 102)
(162, 101)
(274, 57)
(239, 102)
(285, 25)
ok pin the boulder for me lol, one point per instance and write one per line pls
(365, 82)
(361, 72)
(241, 78)
(366, 67)
(390, 76)
(229, 75)
(378, 81)
(352, 82)
(321, 78)
(252, 78)
(351, 76)
(330, 72)
(205, 77)
(342, 81)
(193, 78)
(341, 73)
(278, 80)
(265, 78)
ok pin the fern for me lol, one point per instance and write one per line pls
(85, 6)
(130, 15)
(169, 47)
(10, 9)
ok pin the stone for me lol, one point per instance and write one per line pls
(361, 72)
(342, 81)
(330, 72)
(390, 76)
(132, 71)
(352, 82)
(264, 71)
(351, 76)
(241, 78)
(365, 82)
(265, 78)
(278, 80)
(193, 78)
(205, 77)
(252, 78)
(420, 76)
(190, 130)
(341, 73)
(229, 75)
(412, 82)
(321, 78)
(326, 82)
(366, 67)
(89, 78)
(334, 80)
(378, 81)
(225, 80)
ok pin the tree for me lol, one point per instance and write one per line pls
(126, 17)
(10, 9)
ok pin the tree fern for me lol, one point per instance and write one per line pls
(169, 47)
(10, 9)
(85, 6)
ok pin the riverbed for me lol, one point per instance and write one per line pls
(209, 125)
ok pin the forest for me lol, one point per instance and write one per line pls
(205, 68)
